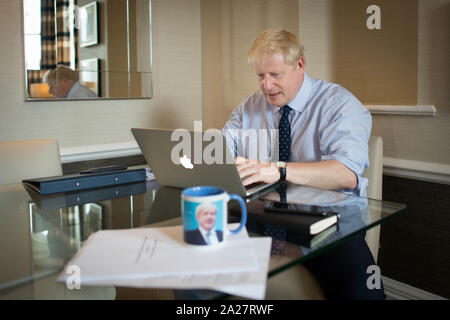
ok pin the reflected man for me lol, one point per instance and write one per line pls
(63, 83)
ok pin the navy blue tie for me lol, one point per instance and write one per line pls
(278, 233)
(284, 140)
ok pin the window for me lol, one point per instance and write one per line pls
(32, 27)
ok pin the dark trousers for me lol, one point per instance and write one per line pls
(342, 271)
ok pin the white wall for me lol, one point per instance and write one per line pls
(176, 79)
(425, 138)
(229, 27)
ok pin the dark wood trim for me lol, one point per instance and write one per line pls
(415, 244)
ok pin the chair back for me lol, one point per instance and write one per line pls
(375, 171)
(26, 159)
(374, 189)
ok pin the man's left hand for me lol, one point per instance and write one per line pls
(252, 171)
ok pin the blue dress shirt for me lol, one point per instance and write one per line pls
(328, 123)
(79, 91)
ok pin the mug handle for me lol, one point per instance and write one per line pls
(243, 212)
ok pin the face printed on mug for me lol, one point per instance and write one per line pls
(204, 211)
(206, 215)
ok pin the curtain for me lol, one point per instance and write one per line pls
(48, 35)
(63, 32)
(55, 45)
(35, 76)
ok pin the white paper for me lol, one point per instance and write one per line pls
(158, 258)
(247, 284)
(255, 286)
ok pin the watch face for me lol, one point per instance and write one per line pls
(281, 164)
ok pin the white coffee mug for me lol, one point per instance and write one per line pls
(205, 215)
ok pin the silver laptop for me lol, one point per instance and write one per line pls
(185, 159)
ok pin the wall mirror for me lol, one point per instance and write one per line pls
(101, 49)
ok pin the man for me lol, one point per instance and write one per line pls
(324, 143)
(323, 133)
(63, 83)
(206, 233)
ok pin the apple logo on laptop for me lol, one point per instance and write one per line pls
(186, 162)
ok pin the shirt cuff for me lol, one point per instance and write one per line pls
(360, 189)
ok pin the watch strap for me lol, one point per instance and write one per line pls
(282, 174)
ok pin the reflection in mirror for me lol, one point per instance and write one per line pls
(93, 49)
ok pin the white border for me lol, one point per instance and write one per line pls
(419, 110)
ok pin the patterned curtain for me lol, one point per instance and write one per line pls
(35, 76)
(63, 32)
(48, 35)
(55, 46)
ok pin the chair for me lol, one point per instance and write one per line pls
(375, 171)
(29, 159)
(374, 189)
(297, 282)
(34, 159)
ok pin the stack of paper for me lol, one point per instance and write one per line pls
(158, 258)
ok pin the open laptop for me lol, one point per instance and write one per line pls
(184, 159)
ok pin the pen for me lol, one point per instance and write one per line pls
(103, 169)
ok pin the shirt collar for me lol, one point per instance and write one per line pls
(74, 89)
(203, 231)
(299, 102)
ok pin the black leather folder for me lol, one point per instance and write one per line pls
(76, 182)
(69, 199)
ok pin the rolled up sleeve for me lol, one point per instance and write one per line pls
(344, 138)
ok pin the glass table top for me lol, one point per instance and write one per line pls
(40, 234)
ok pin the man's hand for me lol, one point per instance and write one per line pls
(329, 174)
(252, 171)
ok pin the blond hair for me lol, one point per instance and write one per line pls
(205, 207)
(61, 72)
(276, 41)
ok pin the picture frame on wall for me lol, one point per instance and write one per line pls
(88, 24)
(89, 74)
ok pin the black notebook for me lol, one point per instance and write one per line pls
(306, 220)
(311, 241)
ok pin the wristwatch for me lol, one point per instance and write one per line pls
(281, 165)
